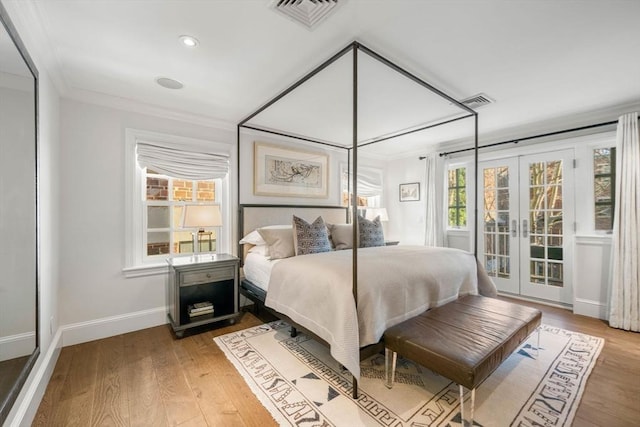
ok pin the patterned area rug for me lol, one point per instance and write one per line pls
(301, 385)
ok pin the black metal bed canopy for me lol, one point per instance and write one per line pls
(355, 115)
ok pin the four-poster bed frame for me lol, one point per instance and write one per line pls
(352, 149)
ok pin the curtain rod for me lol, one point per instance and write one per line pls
(542, 135)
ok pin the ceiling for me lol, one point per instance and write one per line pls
(547, 64)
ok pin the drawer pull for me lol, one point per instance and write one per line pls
(208, 275)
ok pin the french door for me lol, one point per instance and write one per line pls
(526, 226)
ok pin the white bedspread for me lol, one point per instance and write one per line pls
(395, 283)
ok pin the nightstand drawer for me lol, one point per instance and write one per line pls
(205, 276)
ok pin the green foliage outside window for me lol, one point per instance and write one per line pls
(457, 198)
(604, 184)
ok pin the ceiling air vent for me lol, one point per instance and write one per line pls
(477, 101)
(307, 12)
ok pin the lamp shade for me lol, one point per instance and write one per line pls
(200, 216)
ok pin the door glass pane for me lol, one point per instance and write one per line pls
(554, 172)
(503, 267)
(546, 216)
(554, 197)
(503, 199)
(503, 244)
(537, 272)
(490, 265)
(503, 177)
(536, 174)
(554, 274)
(496, 221)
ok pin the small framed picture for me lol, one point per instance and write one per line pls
(410, 192)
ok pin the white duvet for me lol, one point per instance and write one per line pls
(395, 283)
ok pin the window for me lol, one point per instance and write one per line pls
(165, 173)
(457, 198)
(604, 184)
(370, 190)
(164, 201)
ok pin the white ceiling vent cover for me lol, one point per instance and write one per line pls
(307, 12)
(477, 101)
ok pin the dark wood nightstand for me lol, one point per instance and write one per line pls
(199, 280)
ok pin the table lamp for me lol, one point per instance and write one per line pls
(201, 216)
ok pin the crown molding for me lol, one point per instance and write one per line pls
(127, 104)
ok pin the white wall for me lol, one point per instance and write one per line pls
(407, 219)
(92, 234)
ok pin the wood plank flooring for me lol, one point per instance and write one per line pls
(150, 378)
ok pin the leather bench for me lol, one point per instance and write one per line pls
(464, 340)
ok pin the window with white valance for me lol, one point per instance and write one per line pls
(165, 173)
(181, 163)
(370, 186)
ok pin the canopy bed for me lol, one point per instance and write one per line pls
(355, 100)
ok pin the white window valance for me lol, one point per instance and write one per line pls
(181, 163)
(369, 181)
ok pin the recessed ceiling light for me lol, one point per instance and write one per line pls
(169, 83)
(189, 41)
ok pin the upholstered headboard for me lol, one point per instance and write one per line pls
(256, 216)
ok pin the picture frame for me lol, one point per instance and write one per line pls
(285, 171)
(410, 192)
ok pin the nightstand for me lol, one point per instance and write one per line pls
(196, 281)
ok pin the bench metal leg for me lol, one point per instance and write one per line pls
(390, 359)
(467, 421)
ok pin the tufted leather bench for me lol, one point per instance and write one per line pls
(464, 340)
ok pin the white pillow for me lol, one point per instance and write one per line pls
(254, 238)
(260, 250)
(341, 236)
(279, 241)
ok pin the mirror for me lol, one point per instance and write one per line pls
(19, 341)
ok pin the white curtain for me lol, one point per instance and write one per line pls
(625, 288)
(180, 163)
(433, 235)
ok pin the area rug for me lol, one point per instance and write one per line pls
(300, 384)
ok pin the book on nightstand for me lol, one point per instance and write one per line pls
(200, 308)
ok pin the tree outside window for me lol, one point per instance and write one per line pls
(457, 198)
(604, 184)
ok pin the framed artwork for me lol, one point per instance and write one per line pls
(410, 192)
(285, 171)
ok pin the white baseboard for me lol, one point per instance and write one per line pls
(26, 406)
(18, 345)
(77, 333)
(591, 308)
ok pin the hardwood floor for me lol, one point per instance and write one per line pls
(150, 378)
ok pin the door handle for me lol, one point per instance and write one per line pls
(525, 228)
(514, 228)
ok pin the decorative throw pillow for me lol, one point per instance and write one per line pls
(371, 233)
(310, 238)
(341, 236)
(279, 241)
